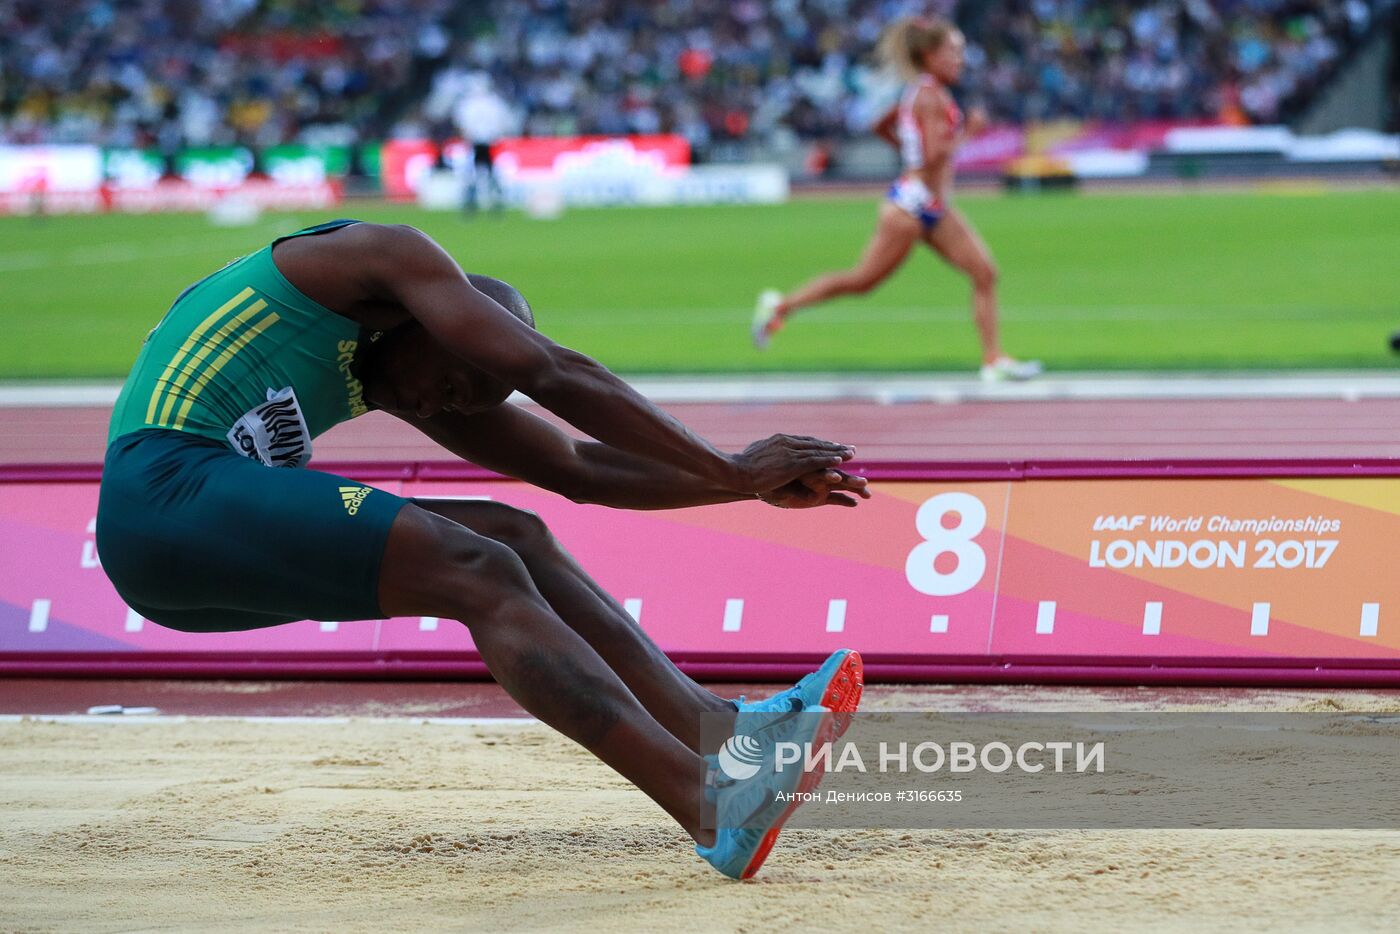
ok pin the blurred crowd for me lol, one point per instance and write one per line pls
(1240, 60)
(171, 73)
(719, 69)
(197, 72)
(1392, 99)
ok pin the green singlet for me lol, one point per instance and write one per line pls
(244, 357)
(199, 527)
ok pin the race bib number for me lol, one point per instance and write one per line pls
(274, 433)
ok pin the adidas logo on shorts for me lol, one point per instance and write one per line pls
(352, 496)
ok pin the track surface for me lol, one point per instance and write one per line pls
(1169, 429)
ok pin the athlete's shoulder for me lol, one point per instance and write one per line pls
(400, 248)
(929, 92)
(382, 258)
(363, 234)
(365, 247)
(928, 101)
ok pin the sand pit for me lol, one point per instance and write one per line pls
(402, 824)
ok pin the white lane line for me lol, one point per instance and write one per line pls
(884, 389)
(1152, 619)
(1370, 618)
(39, 615)
(56, 395)
(733, 615)
(1259, 620)
(836, 616)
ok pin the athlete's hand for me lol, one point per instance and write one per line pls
(818, 488)
(777, 461)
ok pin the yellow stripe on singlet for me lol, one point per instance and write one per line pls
(189, 344)
(191, 367)
(213, 369)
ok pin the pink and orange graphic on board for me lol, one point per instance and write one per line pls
(1201, 568)
(1221, 572)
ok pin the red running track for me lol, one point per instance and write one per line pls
(1170, 430)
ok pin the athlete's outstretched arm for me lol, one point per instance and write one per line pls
(404, 266)
(511, 441)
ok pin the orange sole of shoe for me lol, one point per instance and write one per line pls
(842, 697)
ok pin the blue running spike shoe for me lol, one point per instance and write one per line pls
(836, 685)
(752, 797)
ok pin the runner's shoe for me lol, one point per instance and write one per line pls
(836, 685)
(752, 806)
(1008, 370)
(766, 320)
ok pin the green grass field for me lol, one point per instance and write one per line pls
(1159, 282)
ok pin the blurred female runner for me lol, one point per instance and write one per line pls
(925, 127)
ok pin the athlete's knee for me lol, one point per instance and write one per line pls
(494, 566)
(523, 531)
(474, 576)
(984, 274)
(860, 282)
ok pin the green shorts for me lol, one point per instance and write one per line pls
(199, 538)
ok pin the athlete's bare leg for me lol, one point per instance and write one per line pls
(674, 699)
(895, 235)
(959, 244)
(433, 566)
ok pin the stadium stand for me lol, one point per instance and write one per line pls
(1392, 104)
(167, 73)
(712, 69)
(171, 73)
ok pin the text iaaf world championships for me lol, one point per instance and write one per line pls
(1210, 553)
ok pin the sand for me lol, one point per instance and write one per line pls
(403, 824)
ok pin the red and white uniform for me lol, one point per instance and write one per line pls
(909, 193)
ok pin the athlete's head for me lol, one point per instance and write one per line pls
(505, 295)
(409, 373)
(918, 45)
